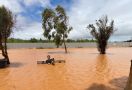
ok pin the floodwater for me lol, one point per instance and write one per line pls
(84, 69)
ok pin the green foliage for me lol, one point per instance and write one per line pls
(14, 40)
(80, 40)
(102, 32)
(55, 25)
(6, 22)
(32, 40)
(47, 19)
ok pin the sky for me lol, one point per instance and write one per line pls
(80, 12)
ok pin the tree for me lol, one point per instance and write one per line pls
(55, 25)
(33, 40)
(102, 32)
(6, 24)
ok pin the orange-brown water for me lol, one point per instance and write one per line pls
(84, 69)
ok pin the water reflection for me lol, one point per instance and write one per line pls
(15, 64)
(102, 68)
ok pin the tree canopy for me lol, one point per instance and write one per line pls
(55, 25)
(102, 32)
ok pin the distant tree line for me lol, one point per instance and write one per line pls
(34, 40)
(81, 40)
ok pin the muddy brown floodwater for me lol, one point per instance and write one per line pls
(84, 69)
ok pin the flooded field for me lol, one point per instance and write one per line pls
(84, 69)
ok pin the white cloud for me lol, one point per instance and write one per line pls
(13, 5)
(27, 29)
(30, 31)
(84, 12)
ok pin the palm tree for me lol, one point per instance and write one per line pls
(6, 24)
(102, 32)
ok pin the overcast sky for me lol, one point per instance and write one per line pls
(80, 13)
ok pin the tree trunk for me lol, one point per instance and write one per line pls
(6, 53)
(102, 46)
(5, 48)
(3, 51)
(129, 82)
(57, 46)
(64, 44)
(103, 50)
